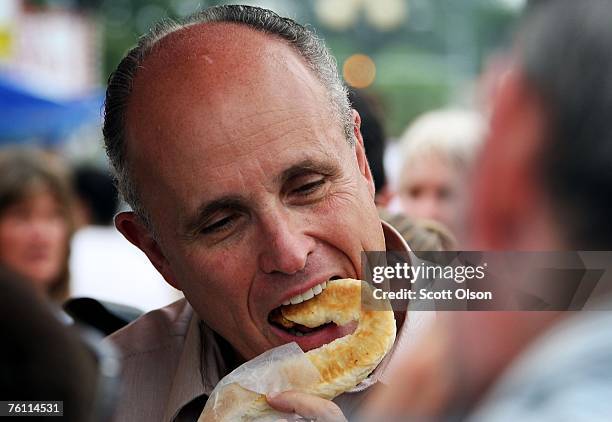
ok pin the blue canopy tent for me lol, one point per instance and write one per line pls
(28, 118)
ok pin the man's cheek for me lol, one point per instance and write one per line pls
(228, 277)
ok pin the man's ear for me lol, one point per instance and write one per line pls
(133, 230)
(362, 160)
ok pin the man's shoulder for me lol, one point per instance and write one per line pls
(568, 369)
(151, 349)
(153, 330)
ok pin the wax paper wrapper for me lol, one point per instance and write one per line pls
(280, 369)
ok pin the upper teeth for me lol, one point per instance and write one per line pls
(308, 294)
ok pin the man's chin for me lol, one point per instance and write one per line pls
(316, 338)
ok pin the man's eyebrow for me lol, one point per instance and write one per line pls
(307, 166)
(193, 224)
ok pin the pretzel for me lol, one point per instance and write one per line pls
(342, 364)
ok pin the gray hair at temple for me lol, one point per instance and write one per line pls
(565, 54)
(302, 39)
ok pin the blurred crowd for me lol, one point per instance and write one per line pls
(57, 235)
(57, 230)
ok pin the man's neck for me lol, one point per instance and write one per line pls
(232, 358)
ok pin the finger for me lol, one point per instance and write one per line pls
(307, 406)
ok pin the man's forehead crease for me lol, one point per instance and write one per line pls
(268, 171)
(270, 115)
(237, 153)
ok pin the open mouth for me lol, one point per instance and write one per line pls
(276, 318)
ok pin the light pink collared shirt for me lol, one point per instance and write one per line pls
(170, 358)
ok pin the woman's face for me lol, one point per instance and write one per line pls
(33, 238)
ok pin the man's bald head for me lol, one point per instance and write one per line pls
(202, 32)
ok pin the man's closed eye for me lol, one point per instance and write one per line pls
(223, 224)
(310, 187)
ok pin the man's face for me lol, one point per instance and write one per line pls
(254, 191)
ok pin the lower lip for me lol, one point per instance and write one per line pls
(317, 338)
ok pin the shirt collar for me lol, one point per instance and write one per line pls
(202, 350)
(393, 239)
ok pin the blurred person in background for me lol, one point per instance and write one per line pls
(438, 150)
(100, 292)
(544, 182)
(131, 283)
(374, 141)
(97, 197)
(43, 359)
(421, 235)
(36, 221)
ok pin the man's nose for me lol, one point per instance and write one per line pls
(285, 247)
